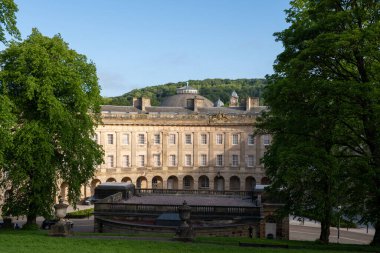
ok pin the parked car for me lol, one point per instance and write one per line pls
(88, 201)
(47, 223)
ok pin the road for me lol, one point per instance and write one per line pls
(305, 233)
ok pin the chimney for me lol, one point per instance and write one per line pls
(145, 102)
(136, 102)
(198, 103)
(141, 103)
(251, 103)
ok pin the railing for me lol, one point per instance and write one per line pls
(194, 192)
(103, 208)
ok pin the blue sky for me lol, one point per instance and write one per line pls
(138, 43)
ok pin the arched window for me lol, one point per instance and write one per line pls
(203, 182)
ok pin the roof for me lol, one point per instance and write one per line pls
(219, 103)
(234, 94)
(180, 100)
(187, 89)
(109, 109)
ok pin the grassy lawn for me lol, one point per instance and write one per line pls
(40, 242)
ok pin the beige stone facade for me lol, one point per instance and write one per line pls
(181, 147)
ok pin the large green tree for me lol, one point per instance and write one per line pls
(8, 11)
(329, 72)
(301, 161)
(55, 96)
(7, 24)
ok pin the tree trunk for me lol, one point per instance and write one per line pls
(325, 232)
(376, 237)
(31, 219)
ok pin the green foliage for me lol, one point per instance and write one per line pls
(8, 20)
(7, 121)
(213, 89)
(31, 227)
(80, 214)
(325, 110)
(56, 106)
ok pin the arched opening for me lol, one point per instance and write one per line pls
(141, 183)
(250, 183)
(188, 183)
(111, 179)
(63, 190)
(94, 183)
(203, 182)
(219, 183)
(157, 182)
(126, 180)
(234, 183)
(172, 182)
(265, 180)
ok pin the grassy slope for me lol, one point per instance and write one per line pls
(39, 242)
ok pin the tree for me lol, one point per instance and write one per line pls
(56, 99)
(302, 161)
(331, 63)
(8, 20)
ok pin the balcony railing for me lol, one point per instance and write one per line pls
(193, 192)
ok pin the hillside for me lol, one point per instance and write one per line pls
(212, 89)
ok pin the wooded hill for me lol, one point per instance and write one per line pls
(213, 89)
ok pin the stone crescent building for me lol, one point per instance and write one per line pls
(185, 143)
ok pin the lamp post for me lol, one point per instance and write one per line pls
(339, 208)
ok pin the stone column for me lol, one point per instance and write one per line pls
(148, 149)
(211, 144)
(164, 145)
(117, 150)
(258, 150)
(243, 145)
(195, 149)
(133, 150)
(227, 146)
(180, 150)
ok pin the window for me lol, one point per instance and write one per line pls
(156, 160)
(125, 160)
(141, 161)
(188, 138)
(203, 138)
(235, 139)
(235, 160)
(251, 139)
(157, 139)
(266, 140)
(172, 160)
(110, 161)
(203, 182)
(172, 138)
(203, 160)
(125, 139)
(110, 138)
(219, 160)
(188, 160)
(141, 139)
(190, 103)
(95, 138)
(219, 139)
(187, 182)
(251, 161)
